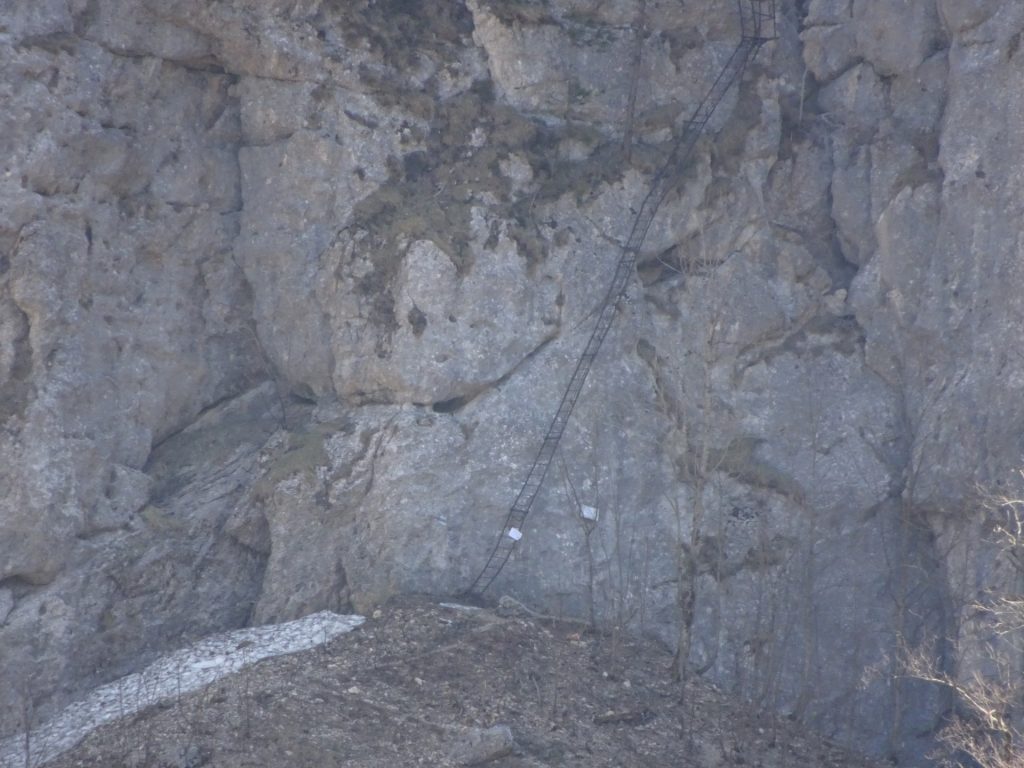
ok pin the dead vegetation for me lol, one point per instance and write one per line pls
(407, 687)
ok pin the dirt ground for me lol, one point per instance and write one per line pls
(410, 687)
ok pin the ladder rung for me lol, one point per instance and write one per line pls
(762, 15)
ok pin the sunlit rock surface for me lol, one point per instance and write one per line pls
(290, 290)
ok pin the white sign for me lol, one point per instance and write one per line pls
(515, 534)
(588, 513)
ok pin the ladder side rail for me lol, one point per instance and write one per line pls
(494, 566)
(766, 28)
(757, 18)
(500, 553)
(496, 562)
(542, 461)
(665, 179)
(748, 16)
(662, 183)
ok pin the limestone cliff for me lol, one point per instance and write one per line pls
(289, 290)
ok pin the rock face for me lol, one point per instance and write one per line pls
(289, 291)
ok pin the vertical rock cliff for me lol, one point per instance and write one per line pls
(289, 290)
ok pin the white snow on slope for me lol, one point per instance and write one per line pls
(176, 674)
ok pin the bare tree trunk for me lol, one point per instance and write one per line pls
(686, 599)
(686, 592)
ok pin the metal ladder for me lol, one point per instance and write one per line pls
(757, 25)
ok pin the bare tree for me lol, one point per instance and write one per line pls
(588, 524)
(621, 552)
(699, 441)
(986, 726)
(27, 722)
(921, 430)
(982, 730)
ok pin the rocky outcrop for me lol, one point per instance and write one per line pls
(289, 291)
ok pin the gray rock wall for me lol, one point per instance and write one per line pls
(289, 291)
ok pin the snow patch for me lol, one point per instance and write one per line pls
(171, 676)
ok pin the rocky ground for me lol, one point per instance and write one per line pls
(422, 683)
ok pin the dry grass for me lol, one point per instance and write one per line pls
(401, 690)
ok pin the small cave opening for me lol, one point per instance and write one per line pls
(449, 406)
(417, 320)
(302, 393)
